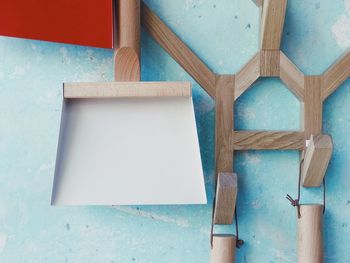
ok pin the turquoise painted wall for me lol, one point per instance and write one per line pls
(225, 34)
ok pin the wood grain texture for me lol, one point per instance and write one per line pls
(336, 75)
(127, 49)
(247, 75)
(178, 50)
(316, 160)
(310, 234)
(292, 76)
(224, 249)
(126, 89)
(272, 22)
(313, 106)
(270, 63)
(225, 201)
(224, 123)
(268, 140)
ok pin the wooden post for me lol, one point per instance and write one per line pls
(272, 22)
(127, 40)
(225, 202)
(313, 106)
(225, 85)
(310, 234)
(316, 160)
(224, 249)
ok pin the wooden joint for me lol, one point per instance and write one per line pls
(313, 106)
(225, 202)
(270, 63)
(273, 15)
(127, 39)
(317, 156)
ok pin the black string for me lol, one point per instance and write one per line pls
(296, 202)
(239, 242)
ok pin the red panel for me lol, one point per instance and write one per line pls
(81, 22)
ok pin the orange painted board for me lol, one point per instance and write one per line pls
(80, 22)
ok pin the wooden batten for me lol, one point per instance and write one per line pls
(310, 234)
(224, 249)
(272, 22)
(336, 75)
(127, 41)
(268, 140)
(313, 106)
(316, 160)
(178, 50)
(225, 201)
(270, 63)
(225, 85)
(292, 76)
(247, 75)
(126, 90)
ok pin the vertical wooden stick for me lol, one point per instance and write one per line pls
(224, 249)
(310, 234)
(127, 47)
(224, 123)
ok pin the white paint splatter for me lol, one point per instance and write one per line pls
(46, 167)
(341, 28)
(19, 71)
(65, 56)
(162, 218)
(3, 239)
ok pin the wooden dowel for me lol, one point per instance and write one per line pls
(127, 48)
(224, 249)
(310, 234)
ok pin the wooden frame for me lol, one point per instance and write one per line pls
(270, 61)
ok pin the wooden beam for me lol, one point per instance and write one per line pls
(312, 106)
(127, 48)
(224, 123)
(225, 200)
(178, 50)
(268, 140)
(273, 15)
(247, 75)
(316, 160)
(270, 63)
(336, 75)
(126, 90)
(292, 76)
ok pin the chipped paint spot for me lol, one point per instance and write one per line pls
(162, 218)
(3, 240)
(341, 28)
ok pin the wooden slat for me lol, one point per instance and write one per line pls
(178, 50)
(292, 76)
(225, 200)
(126, 89)
(312, 106)
(247, 75)
(273, 15)
(268, 140)
(224, 123)
(336, 75)
(224, 249)
(127, 50)
(270, 63)
(316, 160)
